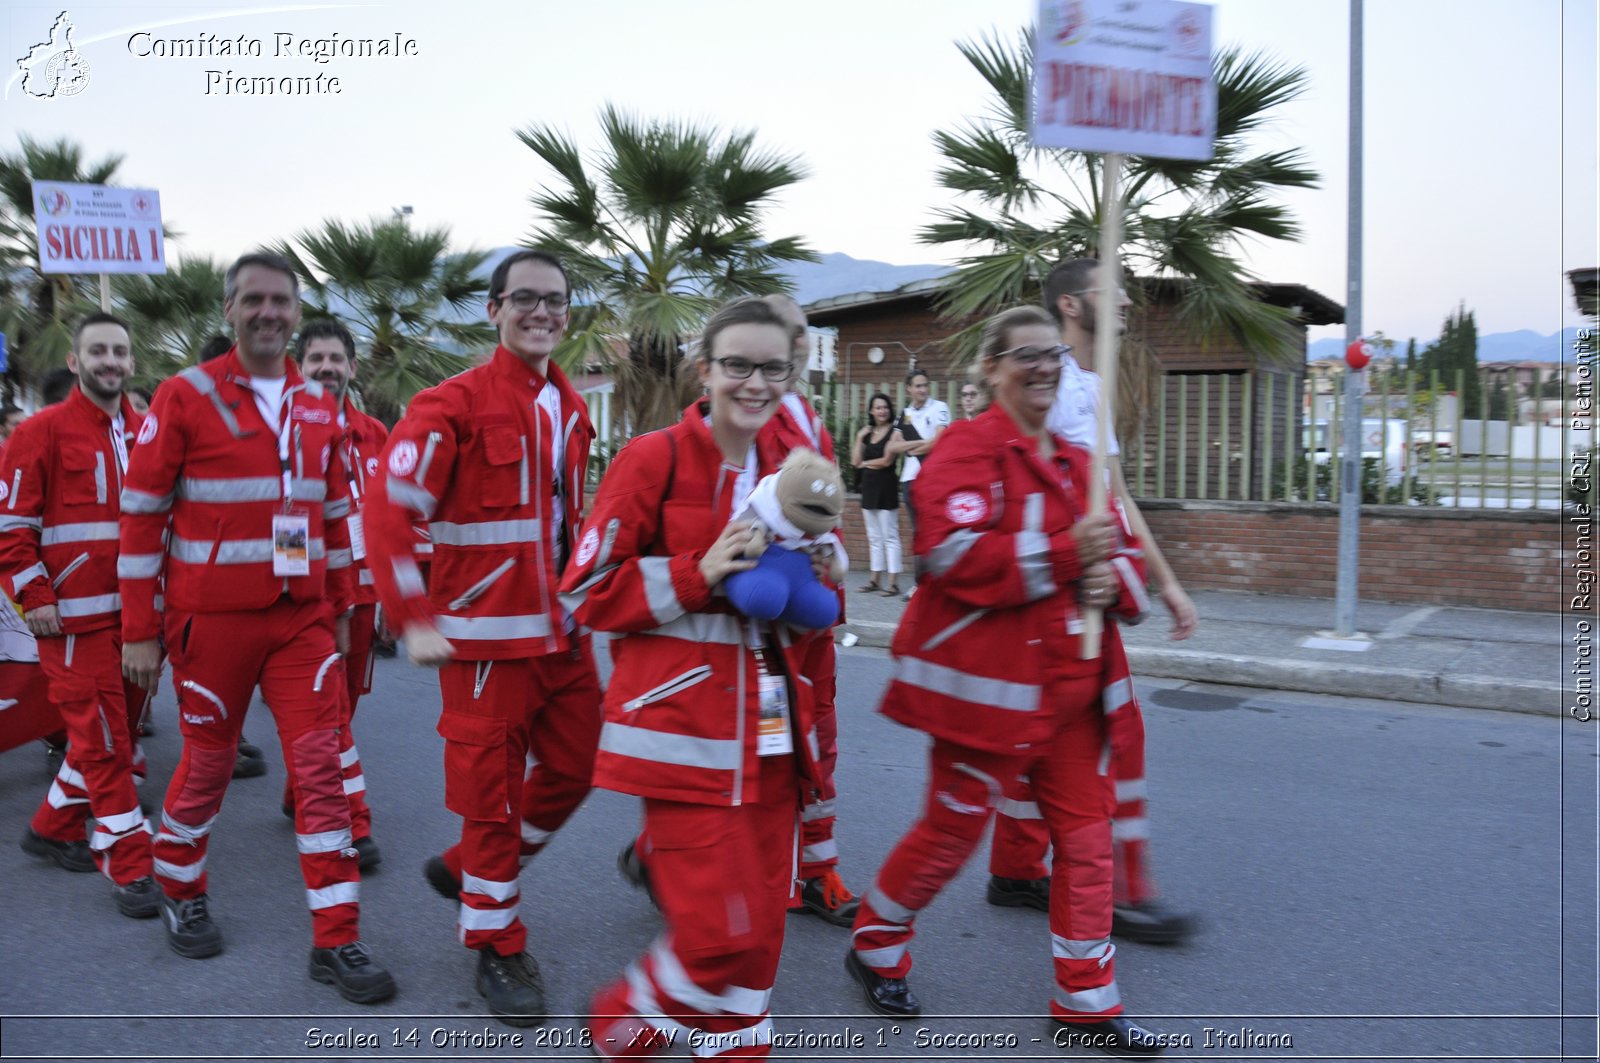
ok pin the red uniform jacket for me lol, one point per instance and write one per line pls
(995, 615)
(364, 437)
(683, 706)
(473, 457)
(208, 464)
(60, 481)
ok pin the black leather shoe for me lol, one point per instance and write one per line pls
(369, 855)
(439, 877)
(351, 970)
(1151, 923)
(512, 986)
(139, 899)
(70, 856)
(1020, 892)
(250, 762)
(1117, 1036)
(886, 996)
(631, 868)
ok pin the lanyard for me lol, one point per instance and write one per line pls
(119, 444)
(287, 422)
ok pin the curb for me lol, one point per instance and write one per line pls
(1348, 681)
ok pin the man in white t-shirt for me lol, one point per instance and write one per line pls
(1072, 295)
(926, 417)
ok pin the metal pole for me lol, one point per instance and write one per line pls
(1344, 610)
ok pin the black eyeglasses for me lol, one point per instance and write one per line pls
(741, 368)
(524, 300)
(1034, 357)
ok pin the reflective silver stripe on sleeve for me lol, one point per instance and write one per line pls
(1135, 588)
(12, 523)
(480, 628)
(408, 577)
(485, 532)
(723, 629)
(1082, 949)
(144, 502)
(94, 532)
(338, 893)
(658, 593)
(328, 841)
(1019, 809)
(408, 494)
(234, 551)
(201, 381)
(880, 903)
(139, 566)
(999, 693)
(27, 576)
(249, 489)
(665, 748)
(943, 558)
(1090, 1001)
(100, 603)
(1117, 695)
(339, 507)
(341, 558)
(427, 457)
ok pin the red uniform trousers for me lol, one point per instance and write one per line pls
(85, 683)
(218, 659)
(138, 701)
(723, 877)
(520, 738)
(818, 851)
(1021, 839)
(964, 786)
(355, 679)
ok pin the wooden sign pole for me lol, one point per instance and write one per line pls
(1106, 339)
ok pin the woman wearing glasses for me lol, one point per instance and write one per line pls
(879, 486)
(708, 714)
(988, 663)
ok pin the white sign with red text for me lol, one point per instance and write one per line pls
(98, 229)
(1129, 76)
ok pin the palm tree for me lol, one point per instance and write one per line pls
(37, 309)
(1184, 222)
(416, 305)
(172, 315)
(660, 226)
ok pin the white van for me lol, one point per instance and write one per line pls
(1381, 439)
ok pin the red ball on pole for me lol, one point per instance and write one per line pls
(1358, 354)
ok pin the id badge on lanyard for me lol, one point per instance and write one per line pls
(358, 534)
(291, 532)
(773, 734)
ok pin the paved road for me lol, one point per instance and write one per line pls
(1378, 880)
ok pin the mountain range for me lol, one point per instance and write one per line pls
(1523, 345)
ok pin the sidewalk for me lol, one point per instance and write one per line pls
(1437, 655)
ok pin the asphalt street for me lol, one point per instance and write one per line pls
(1376, 880)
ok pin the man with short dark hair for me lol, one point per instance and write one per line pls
(493, 459)
(1018, 875)
(10, 417)
(235, 496)
(59, 484)
(326, 353)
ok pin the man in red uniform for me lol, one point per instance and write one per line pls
(494, 460)
(326, 353)
(236, 495)
(60, 478)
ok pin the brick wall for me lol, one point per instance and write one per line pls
(1495, 560)
(1445, 557)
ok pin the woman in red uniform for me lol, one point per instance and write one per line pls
(708, 714)
(988, 662)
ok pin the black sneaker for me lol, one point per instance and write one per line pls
(351, 970)
(71, 856)
(54, 754)
(139, 899)
(827, 897)
(512, 986)
(437, 872)
(1019, 892)
(370, 857)
(190, 930)
(632, 869)
(1151, 923)
(250, 762)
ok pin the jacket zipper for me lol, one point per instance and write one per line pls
(476, 591)
(76, 564)
(672, 686)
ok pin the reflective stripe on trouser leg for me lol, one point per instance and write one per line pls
(562, 737)
(194, 797)
(323, 836)
(818, 852)
(1021, 839)
(963, 788)
(354, 780)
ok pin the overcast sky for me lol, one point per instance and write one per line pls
(1481, 166)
